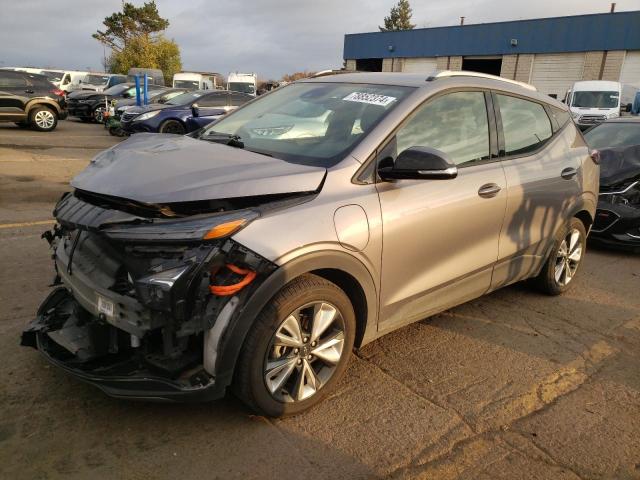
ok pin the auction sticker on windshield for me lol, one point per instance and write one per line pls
(370, 98)
(105, 306)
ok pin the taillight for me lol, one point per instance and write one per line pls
(58, 92)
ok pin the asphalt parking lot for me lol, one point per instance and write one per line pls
(512, 385)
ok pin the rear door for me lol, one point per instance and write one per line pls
(543, 184)
(440, 237)
(14, 94)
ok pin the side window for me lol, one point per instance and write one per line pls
(525, 124)
(66, 80)
(212, 101)
(11, 80)
(238, 99)
(560, 116)
(455, 123)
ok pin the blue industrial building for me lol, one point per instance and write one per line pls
(550, 53)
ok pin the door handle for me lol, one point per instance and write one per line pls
(28, 91)
(489, 190)
(569, 173)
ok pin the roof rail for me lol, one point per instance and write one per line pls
(465, 73)
(324, 73)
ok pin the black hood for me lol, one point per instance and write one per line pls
(163, 168)
(619, 164)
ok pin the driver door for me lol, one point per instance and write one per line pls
(440, 237)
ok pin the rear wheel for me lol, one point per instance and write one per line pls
(298, 348)
(43, 119)
(565, 259)
(172, 126)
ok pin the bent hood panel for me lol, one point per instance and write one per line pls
(159, 168)
(619, 164)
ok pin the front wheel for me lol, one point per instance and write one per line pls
(565, 259)
(298, 348)
(98, 114)
(172, 126)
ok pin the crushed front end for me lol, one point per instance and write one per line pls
(144, 295)
(617, 221)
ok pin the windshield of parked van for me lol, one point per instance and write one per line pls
(188, 84)
(595, 99)
(308, 123)
(184, 98)
(96, 79)
(616, 134)
(242, 87)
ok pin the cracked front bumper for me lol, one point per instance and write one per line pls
(119, 376)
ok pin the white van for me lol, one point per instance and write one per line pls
(243, 83)
(71, 79)
(99, 82)
(593, 101)
(196, 80)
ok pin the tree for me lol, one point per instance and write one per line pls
(136, 40)
(399, 17)
(292, 77)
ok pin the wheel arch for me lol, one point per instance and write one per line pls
(50, 104)
(343, 269)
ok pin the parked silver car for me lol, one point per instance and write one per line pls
(246, 256)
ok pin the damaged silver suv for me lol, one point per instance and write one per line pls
(259, 251)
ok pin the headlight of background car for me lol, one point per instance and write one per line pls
(147, 116)
(629, 196)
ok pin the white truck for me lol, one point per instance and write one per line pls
(243, 83)
(197, 80)
(594, 101)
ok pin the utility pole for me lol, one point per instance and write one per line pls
(613, 8)
(462, 20)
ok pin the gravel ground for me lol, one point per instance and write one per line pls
(512, 385)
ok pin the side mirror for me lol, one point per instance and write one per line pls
(419, 163)
(195, 110)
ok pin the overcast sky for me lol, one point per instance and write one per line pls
(270, 37)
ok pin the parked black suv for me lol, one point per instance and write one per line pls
(88, 105)
(30, 100)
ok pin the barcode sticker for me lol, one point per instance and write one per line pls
(370, 98)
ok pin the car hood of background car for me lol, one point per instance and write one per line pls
(619, 164)
(157, 106)
(164, 168)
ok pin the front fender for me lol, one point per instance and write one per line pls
(320, 260)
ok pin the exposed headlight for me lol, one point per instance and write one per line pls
(272, 131)
(575, 114)
(147, 116)
(613, 115)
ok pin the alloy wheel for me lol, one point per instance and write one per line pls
(98, 114)
(44, 119)
(304, 352)
(568, 257)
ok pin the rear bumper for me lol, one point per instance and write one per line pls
(117, 377)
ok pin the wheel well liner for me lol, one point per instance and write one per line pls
(585, 218)
(344, 269)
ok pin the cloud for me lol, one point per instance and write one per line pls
(267, 37)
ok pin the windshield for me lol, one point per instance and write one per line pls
(53, 76)
(96, 79)
(595, 99)
(117, 89)
(189, 84)
(184, 98)
(242, 87)
(309, 123)
(611, 135)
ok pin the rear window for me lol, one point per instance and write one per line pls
(11, 80)
(525, 124)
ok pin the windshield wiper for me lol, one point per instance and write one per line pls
(225, 138)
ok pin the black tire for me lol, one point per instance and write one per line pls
(43, 119)
(546, 281)
(249, 382)
(172, 126)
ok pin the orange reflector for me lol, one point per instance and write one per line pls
(224, 229)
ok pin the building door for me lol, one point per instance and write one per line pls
(490, 65)
(420, 65)
(631, 69)
(555, 73)
(369, 64)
